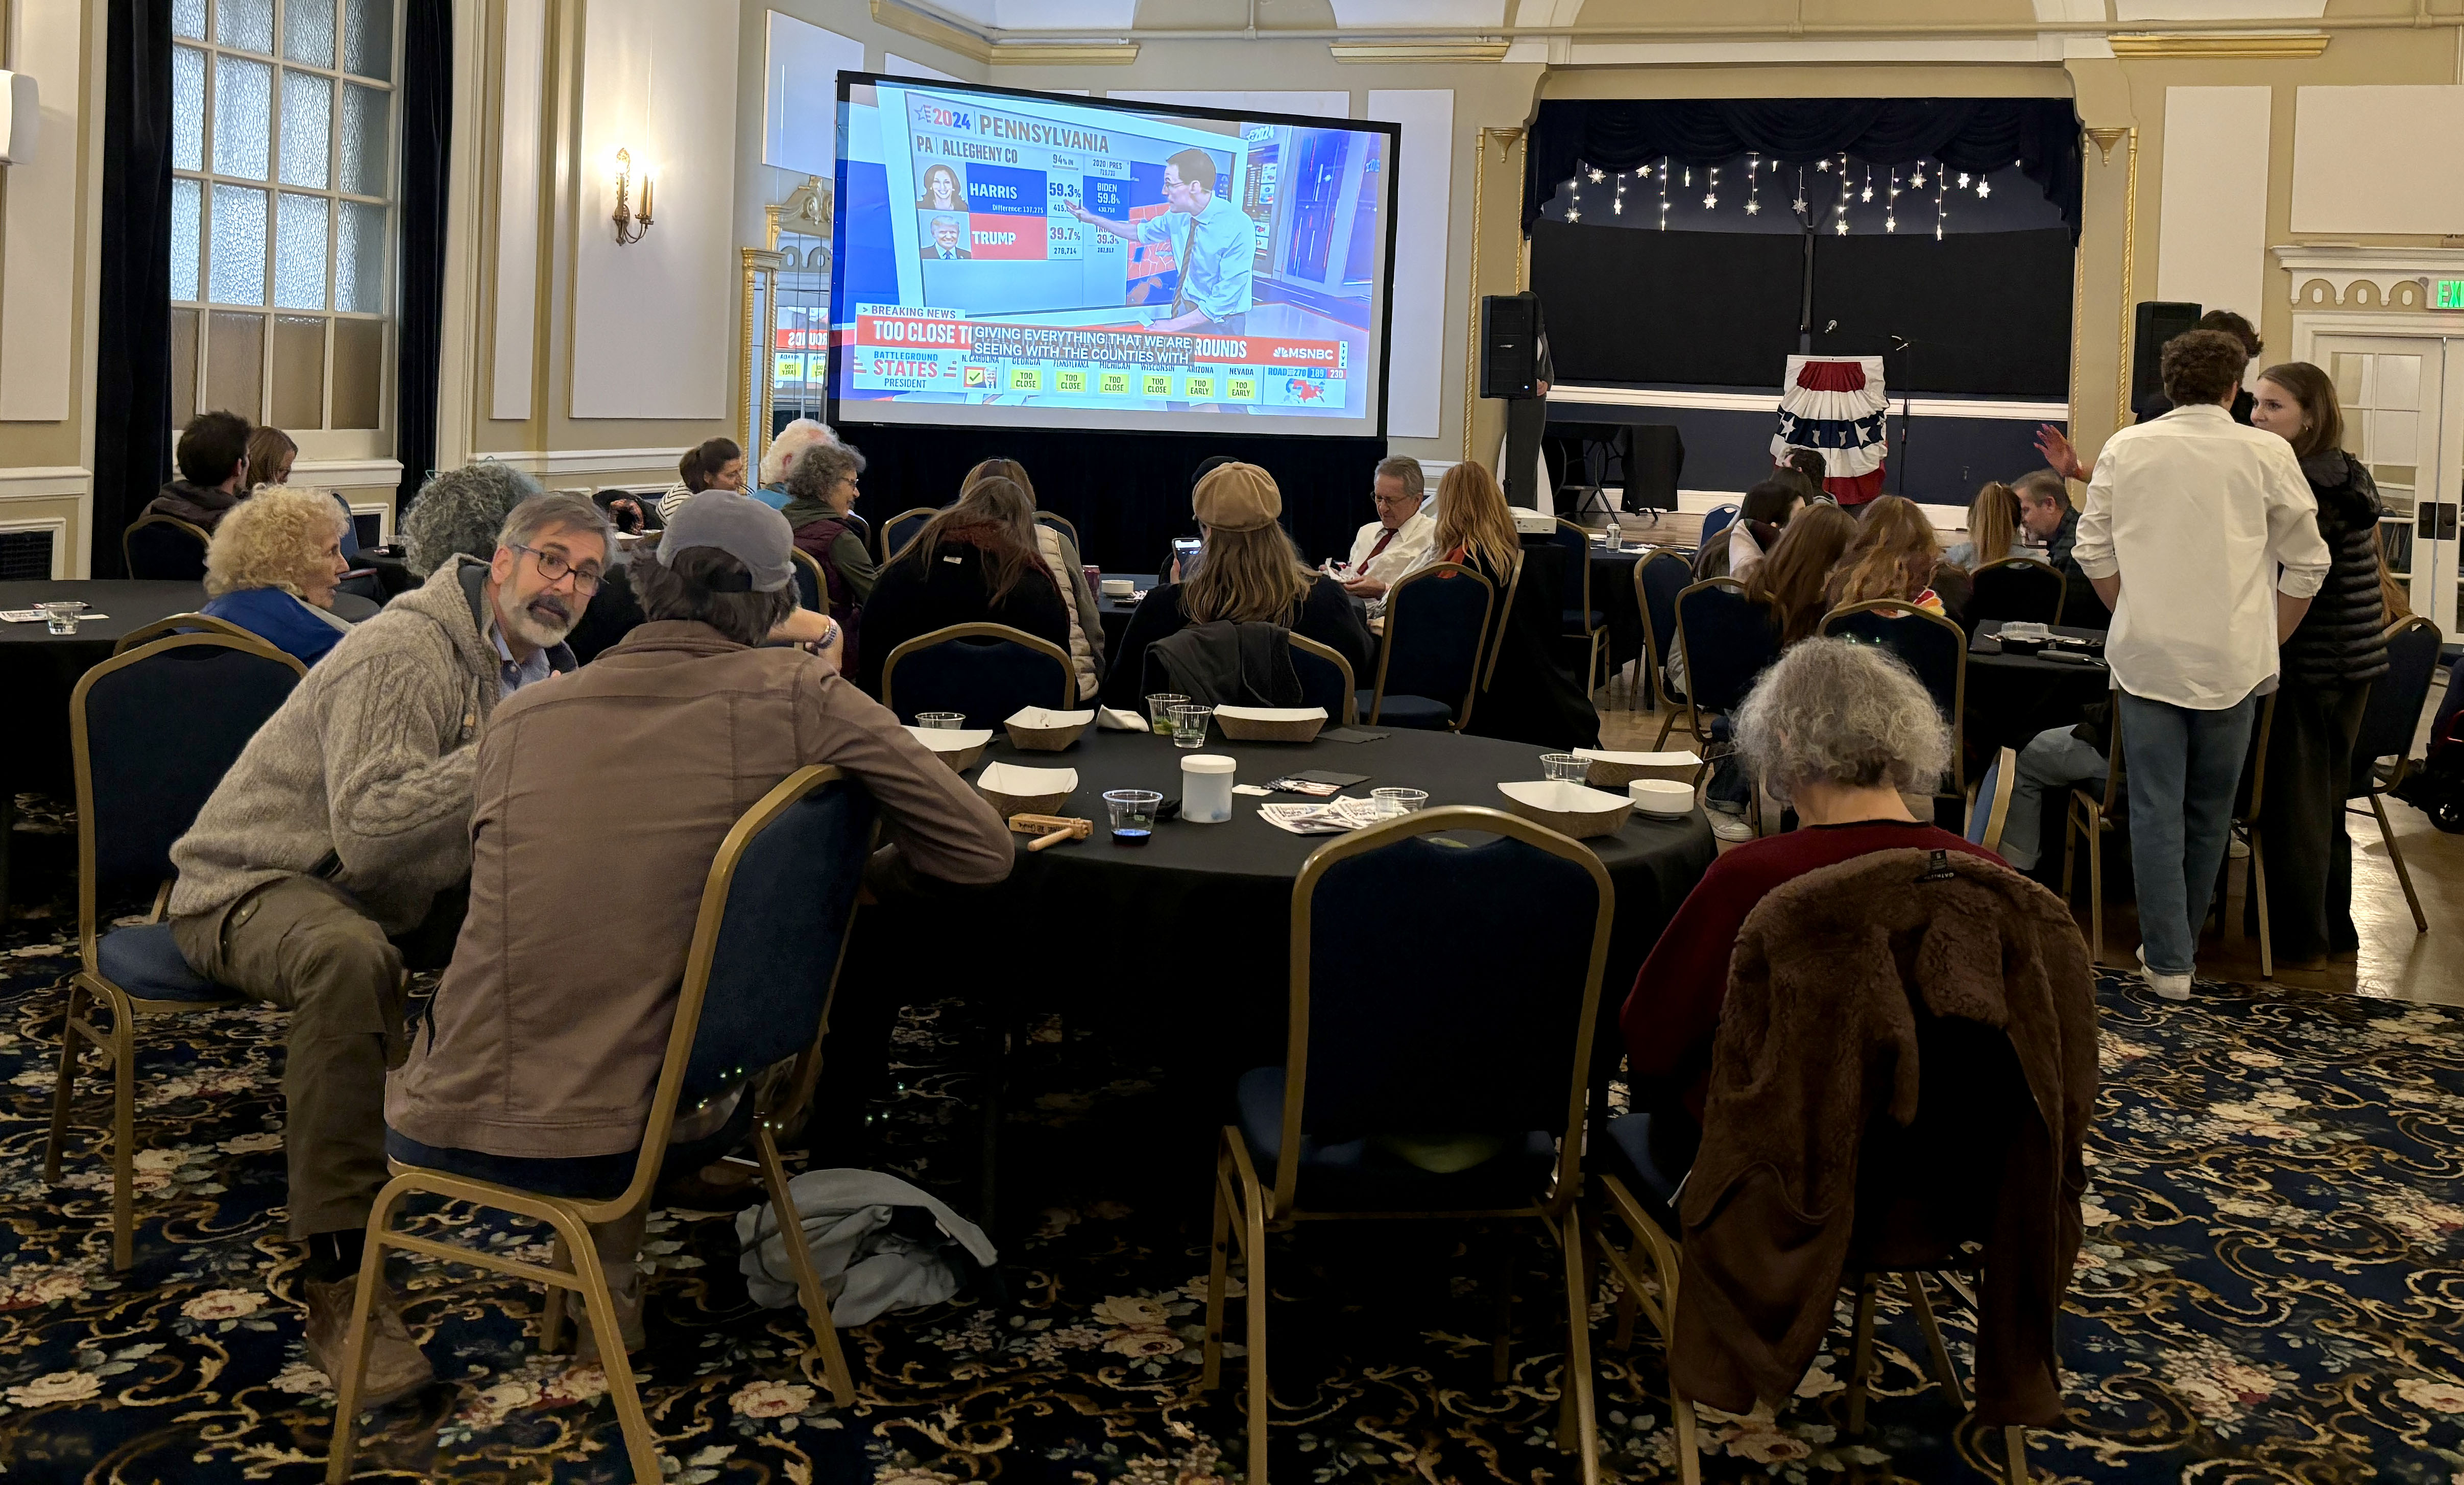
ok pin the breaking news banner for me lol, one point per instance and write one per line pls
(902, 349)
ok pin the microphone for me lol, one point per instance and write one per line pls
(1901, 342)
(1830, 327)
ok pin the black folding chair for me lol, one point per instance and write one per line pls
(1728, 640)
(1658, 579)
(2016, 589)
(2390, 718)
(165, 549)
(1438, 623)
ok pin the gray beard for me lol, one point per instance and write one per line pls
(522, 624)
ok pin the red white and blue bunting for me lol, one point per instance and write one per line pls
(1835, 405)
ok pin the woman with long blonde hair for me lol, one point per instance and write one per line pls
(1249, 572)
(1069, 574)
(1894, 557)
(1992, 529)
(1529, 696)
(975, 562)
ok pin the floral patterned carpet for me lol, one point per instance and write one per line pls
(2273, 1288)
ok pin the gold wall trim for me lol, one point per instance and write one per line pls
(2129, 283)
(1420, 52)
(755, 341)
(1029, 54)
(2189, 48)
(925, 28)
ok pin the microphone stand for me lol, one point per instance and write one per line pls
(1907, 404)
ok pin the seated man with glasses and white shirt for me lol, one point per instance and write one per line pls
(336, 852)
(1397, 543)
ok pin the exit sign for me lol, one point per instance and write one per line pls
(2447, 294)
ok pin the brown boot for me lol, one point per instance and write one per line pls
(396, 1367)
(624, 1286)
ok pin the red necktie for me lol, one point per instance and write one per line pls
(1383, 537)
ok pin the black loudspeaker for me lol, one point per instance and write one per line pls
(1510, 346)
(2158, 321)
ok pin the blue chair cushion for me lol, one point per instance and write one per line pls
(1417, 713)
(1363, 1175)
(580, 1177)
(1640, 1154)
(146, 964)
(1585, 619)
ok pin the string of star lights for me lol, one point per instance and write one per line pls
(1922, 176)
(1940, 191)
(1663, 193)
(1711, 194)
(1891, 203)
(1754, 184)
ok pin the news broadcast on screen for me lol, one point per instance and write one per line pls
(1048, 261)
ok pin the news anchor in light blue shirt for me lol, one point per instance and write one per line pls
(1213, 252)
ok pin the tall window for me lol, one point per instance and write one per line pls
(282, 210)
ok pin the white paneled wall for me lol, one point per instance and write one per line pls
(518, 210)
(653, 323)
(1416, 353)
(2211, 244)
(38, 296)
(2377, 160)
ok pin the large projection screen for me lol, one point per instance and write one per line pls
(1013, 259)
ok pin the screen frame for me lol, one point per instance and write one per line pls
(1393, 173)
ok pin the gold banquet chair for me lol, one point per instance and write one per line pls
(776, 914)
(1494, 1038)
(151, 731)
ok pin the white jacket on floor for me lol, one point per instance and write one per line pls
(866, 1269)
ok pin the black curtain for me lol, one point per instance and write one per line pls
(1127, 493)
(427, 140)
(1988, 313)
(132, 373)
(2042, 133)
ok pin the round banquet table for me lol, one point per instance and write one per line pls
(1116, 612)
(39, 668)
(1613, 594)
(2011, 698)
(1199, 919)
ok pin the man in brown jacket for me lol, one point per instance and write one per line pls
(602, 798)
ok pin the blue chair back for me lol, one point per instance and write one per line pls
(2394, 713)
(1480, 1040)
(153, 732)
(1436, 621)
(1714, 522)
(1729, 642)
(782, 917)
(1061, 525)
(164, 548)
(1326, 679)
(985, 671)
(901, 529)
(1933, 647)
(1658, 579)
(1571, 548)
(2016, 589)
(812, 592)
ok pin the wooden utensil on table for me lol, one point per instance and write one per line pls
(1050, 829)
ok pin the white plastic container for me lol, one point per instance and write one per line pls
(1206, 788)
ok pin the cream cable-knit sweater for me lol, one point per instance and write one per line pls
(364, 775)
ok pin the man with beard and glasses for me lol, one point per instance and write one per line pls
(337, 849)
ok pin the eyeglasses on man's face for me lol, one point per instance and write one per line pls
(553, 568)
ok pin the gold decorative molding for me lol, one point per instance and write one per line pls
(1504, 140)
(2331, 275)
(927, 28)
(1094, 54)
(2105, 140)
(2181, 47)
(2129, 283)
(1418, 51)
(757, 343)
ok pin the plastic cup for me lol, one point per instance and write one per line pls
(1133, 815)
(1160, 710)
(1566, 768)
(952, 720)
(1189, 726)
(1392, 802)
(61, 618)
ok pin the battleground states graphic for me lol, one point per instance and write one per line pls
(897, 350)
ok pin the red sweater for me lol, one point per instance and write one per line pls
(1673, 1013)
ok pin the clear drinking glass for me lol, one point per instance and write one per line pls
(1392, 802)
(1133, 815)
(1189, 726)
(1160, 711)
(61, 618)
(1566, 767)
(953, 720)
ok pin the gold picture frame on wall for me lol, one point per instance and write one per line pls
(787, 279)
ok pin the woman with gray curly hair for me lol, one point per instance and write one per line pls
(461, 511)
(1847, 734)
(821, 510)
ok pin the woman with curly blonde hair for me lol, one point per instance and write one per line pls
(272, 567)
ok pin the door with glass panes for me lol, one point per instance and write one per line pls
(2396, 393)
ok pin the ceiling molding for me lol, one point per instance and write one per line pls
(1420, 52)
(1030, 54)
(2386, 269)
(928, 28)
(2176, 46)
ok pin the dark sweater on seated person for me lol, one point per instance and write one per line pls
(915, 595)
(1673, 1013)
(200, 506)
(1325, 614)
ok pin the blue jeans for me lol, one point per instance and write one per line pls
(2053, 760)
(2182, 768)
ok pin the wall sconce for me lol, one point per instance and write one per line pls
(630, 226)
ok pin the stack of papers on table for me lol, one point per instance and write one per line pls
(1332, 817)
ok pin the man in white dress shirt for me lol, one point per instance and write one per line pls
(1214, 250)
(1391, 547)
(2202, 536)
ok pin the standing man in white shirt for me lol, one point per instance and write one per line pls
(1214, 254)
(1395, 545)
(2202, 537)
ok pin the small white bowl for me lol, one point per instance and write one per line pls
(1118, 587)
(1665, 798)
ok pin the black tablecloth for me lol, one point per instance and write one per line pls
(1116, 612)
(1613, 594)
(39, 668)
(2011, 698)
(1202, 917)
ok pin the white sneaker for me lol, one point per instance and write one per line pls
(2237, 849)
(1731, 827)
(2168, 987)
